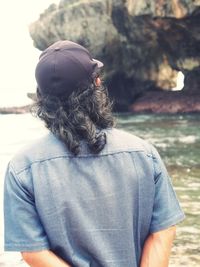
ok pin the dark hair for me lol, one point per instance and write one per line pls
(81, 116)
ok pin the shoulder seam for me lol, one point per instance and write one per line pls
(80, 156)
(16, 174)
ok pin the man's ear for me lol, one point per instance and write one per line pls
(97, 81)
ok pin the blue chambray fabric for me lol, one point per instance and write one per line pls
(91, 210)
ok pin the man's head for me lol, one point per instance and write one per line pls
(71, 99)
(63, 67)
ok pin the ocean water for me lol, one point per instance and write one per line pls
(176, 137)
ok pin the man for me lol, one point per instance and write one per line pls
(86, 194)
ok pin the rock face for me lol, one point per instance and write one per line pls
(143, 44)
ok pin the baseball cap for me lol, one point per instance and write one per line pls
(63, 67)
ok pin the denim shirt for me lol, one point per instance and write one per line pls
(91, 210)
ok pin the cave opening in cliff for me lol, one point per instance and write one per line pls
(179, 82)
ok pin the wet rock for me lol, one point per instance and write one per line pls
(167, 102)
(143, 44)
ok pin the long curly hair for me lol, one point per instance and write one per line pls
(80, 116)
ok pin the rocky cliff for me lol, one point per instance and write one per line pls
(143, 44)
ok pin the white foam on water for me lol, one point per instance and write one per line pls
(190, 139)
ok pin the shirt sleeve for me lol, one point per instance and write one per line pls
(23, 230)
(166, 210)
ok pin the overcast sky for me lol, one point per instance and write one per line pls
(18, 56)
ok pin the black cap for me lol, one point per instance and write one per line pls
(63, 67)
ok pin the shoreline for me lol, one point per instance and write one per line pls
(167, 102)
(151, 102)
(22, 110)
(15, 110)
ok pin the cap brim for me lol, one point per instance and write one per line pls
(99, 63)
